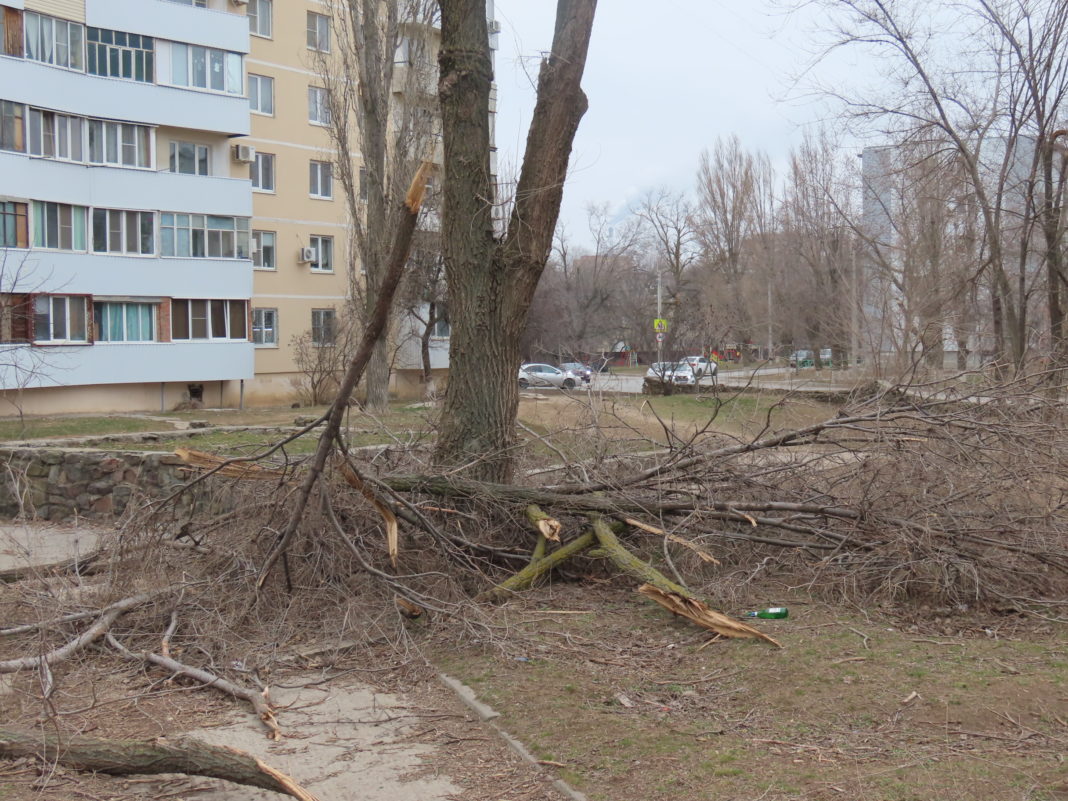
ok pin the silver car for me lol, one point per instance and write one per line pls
(545, 375)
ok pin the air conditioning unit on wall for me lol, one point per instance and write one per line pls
(307, 255)
(246, 154)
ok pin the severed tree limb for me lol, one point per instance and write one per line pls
(108, 615)
(135, 757)
(408, 215)
(611, 548)
(547, 526)
(257, 700)
(84, 565)
(532, 572)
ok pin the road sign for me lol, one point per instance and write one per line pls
(659, 336)
(659, 324)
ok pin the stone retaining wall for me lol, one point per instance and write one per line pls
(56, 484)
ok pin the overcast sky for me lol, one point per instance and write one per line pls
(664, 80)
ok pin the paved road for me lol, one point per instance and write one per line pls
(760, 378)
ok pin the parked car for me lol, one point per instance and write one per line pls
(802, 358)
(545, 375)
(702, 366)
(584, 371)
(680, 373)
(826, 356)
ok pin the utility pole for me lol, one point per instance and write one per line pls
(659, 314)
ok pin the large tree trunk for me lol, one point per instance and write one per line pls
(141, 757)
(491, 284)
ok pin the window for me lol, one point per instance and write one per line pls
(209, 319)
(259, 17)
(265, 326)
(261, 171)
(120, 144)
(203, 236)
(206, 68)
(197, 3)
(11, 32)
(324, 253)
(323, 327)
(55, 136)
(16, 318)
(190, 158)
(128, 232)
(12, 132)
(441, 328)
(118, 54)
(261, 94)
(318, 32)
(124, 322)
(263, 249)
(13, 227)
(58, 318)
(321, 179)
(318, 105)
(59, 226)
(54, 41)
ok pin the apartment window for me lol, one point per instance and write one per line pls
(318, 32)
(59, 318)
(206, 68)
(118, 54)
(12, 132)
(203, 236)
(13, 225)
(261, 94)
(190, 158)
(208, 319)
(120, 144)
(259, 17)
(324, 253)
(265, 326)
(197, 3)
(318, 105)
(263, 249)
(54, 41)
(124, 322)
(58, 225)
(55, 136)
(126, 232)
(261, 171)
(321, 179)
(323, 327)
(11, 43)
(16, 318)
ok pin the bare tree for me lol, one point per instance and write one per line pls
(379, 83)
(492, 281)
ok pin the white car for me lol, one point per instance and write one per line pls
(680, 373)
(701, 365)
(545, 375)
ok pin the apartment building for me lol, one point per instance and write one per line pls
(126, 243)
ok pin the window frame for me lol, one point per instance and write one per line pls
(254, 13)
(260, 81)
(319, 106)
(257, 249)
(317, 32)
(320, 172)
(41, 230)
(14, 219)
(51, 302)
(13, 126)
(200, 234)
(318, 318)
(50, 127)
(260, 327)
(117, 223)
(316, 242)
(102, 327)
(208, 310)
(174, 162)
(49, 53)
(231, 67)
(106, 55)
(263, 166)
(112, 138)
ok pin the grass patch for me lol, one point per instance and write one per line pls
(72, 426)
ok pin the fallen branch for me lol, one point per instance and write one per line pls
(257, 700)
(702, 615)
(108, 615)
(140, 757)
(535, 570)
(84, 565)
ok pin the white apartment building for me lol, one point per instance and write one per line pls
(125, 271)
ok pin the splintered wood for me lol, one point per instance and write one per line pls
(209, 461)
(702, 615)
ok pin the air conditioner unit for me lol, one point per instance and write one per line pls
(307, 255)
(246, 154)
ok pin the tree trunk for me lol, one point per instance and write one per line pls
(141, 757)
(491, 284)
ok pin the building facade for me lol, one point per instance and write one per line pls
(126, 210)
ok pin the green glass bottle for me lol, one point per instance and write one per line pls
(771, 613)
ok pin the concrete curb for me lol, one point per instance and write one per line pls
(488, 715)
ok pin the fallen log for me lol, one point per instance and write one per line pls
(526, 577)
(148, 757)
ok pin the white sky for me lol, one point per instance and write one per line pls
(664, 80)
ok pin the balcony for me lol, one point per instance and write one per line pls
(126, 363)
(87, 95)
(174, 21)
(118, 188)
(131, 276)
